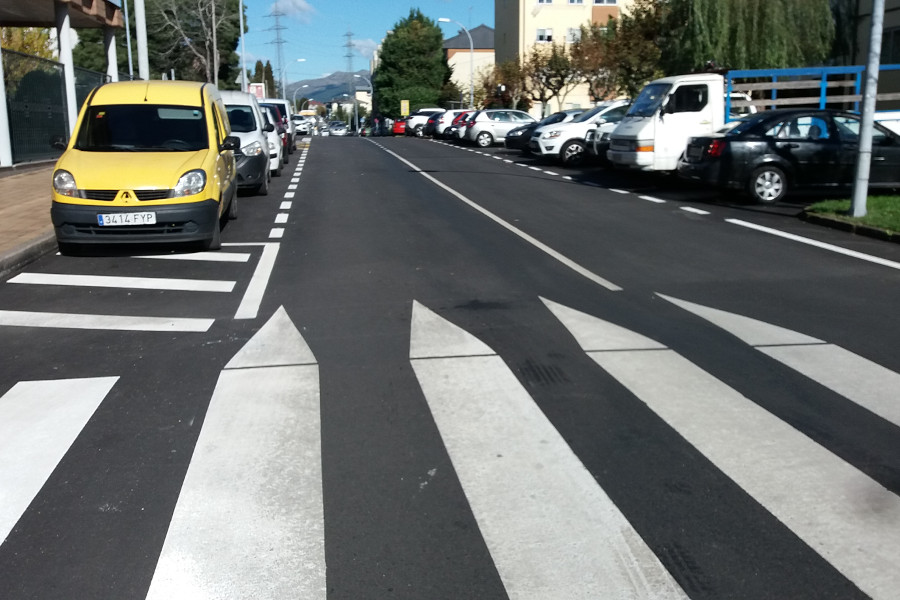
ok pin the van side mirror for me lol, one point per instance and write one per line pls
(58, 142)
(232, 142)
(269, 127)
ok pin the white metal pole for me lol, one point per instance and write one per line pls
(471, 60)
(140, 24)
(864, 156)
(243, 62)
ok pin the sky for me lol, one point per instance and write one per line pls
(316, 30)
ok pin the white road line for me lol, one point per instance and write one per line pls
(652, 199)
(618, 191)
(249, 522)
(696, 211)
(568, 177)
(838, 511)
(551, 173)
(295, 180)
(292, 187)
(281, 218)
(137, 283)
(551, 530)
(39, 421)
(822, 245)
(515, 230)
(289, 195)
(202, 256)
(12, 318)
(256, 289)
(535, 168)
(286, 206)
(862, 381)
(276, 233)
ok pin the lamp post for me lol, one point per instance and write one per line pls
(283, 81)
(294, 98)
(355, 111)
(471, 60)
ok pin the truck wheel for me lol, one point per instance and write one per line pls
(768, 185)
(572, 154)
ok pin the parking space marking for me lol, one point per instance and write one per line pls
(276, 233)
(286, 205)
(281, 218)
(106, 322)
(817, 244)
(696, 211)
(652, 199)
(618, 191)
(201, 256)
(134, 283)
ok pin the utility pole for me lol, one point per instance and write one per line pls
(280, 54)
(858, 206)
(350, 84)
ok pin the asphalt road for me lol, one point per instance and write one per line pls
(429, 372)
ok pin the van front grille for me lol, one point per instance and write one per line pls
(142, 195)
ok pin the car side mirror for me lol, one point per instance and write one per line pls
(232, 142)
(269, 127)
(58, 142)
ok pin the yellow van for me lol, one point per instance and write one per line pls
(150, 161)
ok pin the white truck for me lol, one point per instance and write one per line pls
(671, 110)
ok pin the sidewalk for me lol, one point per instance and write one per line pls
(25, 229)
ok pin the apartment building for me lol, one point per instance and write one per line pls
(467, 58)
(520, 24)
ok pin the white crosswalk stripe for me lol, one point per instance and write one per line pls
(249, 521)
(550, 528)
(847, 517)
(39, 420)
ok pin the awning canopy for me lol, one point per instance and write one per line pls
(84, 14)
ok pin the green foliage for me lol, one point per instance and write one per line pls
(412, 65)
(33, 41)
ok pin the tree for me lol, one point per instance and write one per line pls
(33, 41)
(633, 52)
(589, 56)
(412, 65)
(549, 74)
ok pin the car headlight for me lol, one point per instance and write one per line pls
(273, 147)
(191, 183)
(515, 133)
(64, 184)
(549, 135)
(252, 149)
(604, 136)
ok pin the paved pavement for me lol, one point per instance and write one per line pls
(25, 229)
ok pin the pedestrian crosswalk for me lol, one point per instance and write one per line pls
(233, 256)
(251, 518)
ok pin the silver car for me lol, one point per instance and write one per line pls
(490, 126)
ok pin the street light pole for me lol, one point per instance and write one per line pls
(294, 99)
(471, 60)
(355, 110)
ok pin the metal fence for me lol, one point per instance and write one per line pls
(36, 102)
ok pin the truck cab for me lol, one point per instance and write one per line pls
(667, 112)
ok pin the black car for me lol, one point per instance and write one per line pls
(520, 137)
(775, 152)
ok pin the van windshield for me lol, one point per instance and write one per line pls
(143, 128)
(241, 118)
(649, 100)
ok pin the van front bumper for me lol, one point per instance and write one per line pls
(251, 170)
(175, 223)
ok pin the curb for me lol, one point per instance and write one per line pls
(865, 230)
(28, 252)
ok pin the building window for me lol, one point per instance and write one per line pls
(576, 1)
(545, 35)
(545, 1)
(890, 46)
(573, 34)
(605, 2)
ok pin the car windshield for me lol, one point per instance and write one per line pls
(649, 100)
(241, 117)
(554, 118)
(586, 116)
(142, 128)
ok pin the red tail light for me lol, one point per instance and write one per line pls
(716, 148)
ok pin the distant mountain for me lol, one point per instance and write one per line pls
(328, 88)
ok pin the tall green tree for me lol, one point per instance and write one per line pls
(633, 55)
(412, 65)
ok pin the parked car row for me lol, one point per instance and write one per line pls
(766, 155)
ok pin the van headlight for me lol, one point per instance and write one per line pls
(191, 183)
(64, 184)
(252, 149)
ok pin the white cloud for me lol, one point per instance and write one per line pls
(365, 48)
(295, 8)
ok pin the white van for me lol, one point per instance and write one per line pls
(284, 107)
(248, 123)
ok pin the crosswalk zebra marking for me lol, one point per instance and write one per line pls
(866, 383)
(551, 530)
(39, 421)
(137, 283)
(249, 522)
(838, 511)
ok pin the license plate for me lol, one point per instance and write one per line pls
(131, 218)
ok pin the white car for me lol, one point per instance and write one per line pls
(415, 124)
(491, 125)
(248, 123)
(276, 145)
(566, 141)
